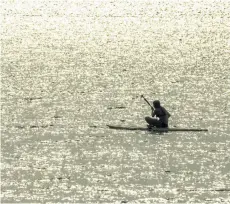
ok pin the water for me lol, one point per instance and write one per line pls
(68, 66)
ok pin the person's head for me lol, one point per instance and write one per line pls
(156, 104)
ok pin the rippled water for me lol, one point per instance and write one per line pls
(71, 67)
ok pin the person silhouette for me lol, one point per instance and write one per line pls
(159, 117)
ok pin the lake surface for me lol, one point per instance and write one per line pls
(71, 67)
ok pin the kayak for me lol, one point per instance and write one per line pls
(156, 129)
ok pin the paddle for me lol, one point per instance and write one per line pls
(142, 96)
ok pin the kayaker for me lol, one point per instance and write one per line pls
(161, 114)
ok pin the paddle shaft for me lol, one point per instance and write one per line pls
(147, 102)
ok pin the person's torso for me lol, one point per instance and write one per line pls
(162, 114)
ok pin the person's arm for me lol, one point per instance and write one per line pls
(168, 114)
(153, 112)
